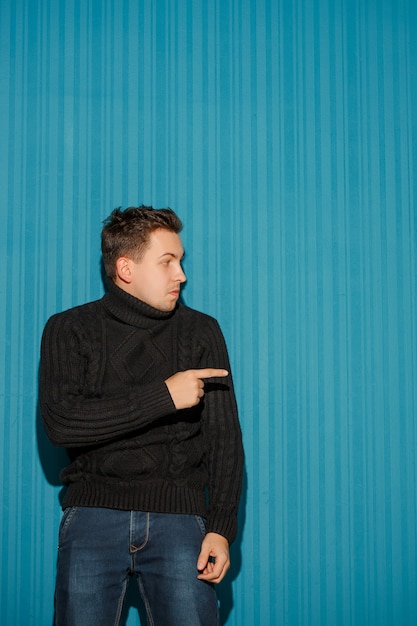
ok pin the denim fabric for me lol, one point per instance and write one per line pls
(100, 548)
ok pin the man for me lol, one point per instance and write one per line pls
(137, 387)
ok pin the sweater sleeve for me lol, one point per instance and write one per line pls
(223, 434)
(75, 410)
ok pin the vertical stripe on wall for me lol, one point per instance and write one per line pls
(285, 136)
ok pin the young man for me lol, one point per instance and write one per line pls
(137, 387)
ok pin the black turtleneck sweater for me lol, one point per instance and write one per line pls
(103, 397)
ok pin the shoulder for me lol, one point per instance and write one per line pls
(203, 326)
(206, 337)
(197, 317)
(82, 315)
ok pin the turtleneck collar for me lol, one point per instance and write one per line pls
(131, 310)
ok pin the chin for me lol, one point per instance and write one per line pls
(167, 307)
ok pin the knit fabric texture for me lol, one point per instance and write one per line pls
(103, 397)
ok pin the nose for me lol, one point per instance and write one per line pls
(180, 276)
(183, 277)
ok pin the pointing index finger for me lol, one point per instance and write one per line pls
(211, 372)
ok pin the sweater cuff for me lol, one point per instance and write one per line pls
(155, 401)
(223, 524)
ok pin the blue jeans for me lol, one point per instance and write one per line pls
(99, 549)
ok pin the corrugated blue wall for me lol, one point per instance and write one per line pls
(285, 135)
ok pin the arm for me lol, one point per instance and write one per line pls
(77, 409)
(224, 441)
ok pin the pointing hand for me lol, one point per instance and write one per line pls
(187, 388)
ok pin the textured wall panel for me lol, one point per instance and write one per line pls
(285, 135)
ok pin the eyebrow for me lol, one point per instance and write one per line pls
(173, 255)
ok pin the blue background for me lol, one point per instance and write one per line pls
(284, 133)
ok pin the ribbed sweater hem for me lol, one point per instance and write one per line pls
(159, 497)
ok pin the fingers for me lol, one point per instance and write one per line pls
(214, 559)
(200, 387)
(187, 388)
(214, 572)
(210, 372)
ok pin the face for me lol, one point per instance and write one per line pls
(156, 279)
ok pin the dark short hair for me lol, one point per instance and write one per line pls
(126, 233)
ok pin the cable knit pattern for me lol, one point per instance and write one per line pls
(103, 397)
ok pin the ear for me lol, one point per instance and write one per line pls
(123, 270)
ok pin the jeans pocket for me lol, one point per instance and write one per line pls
(67, 517)
(201, 524)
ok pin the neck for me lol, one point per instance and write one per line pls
(122, 305)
